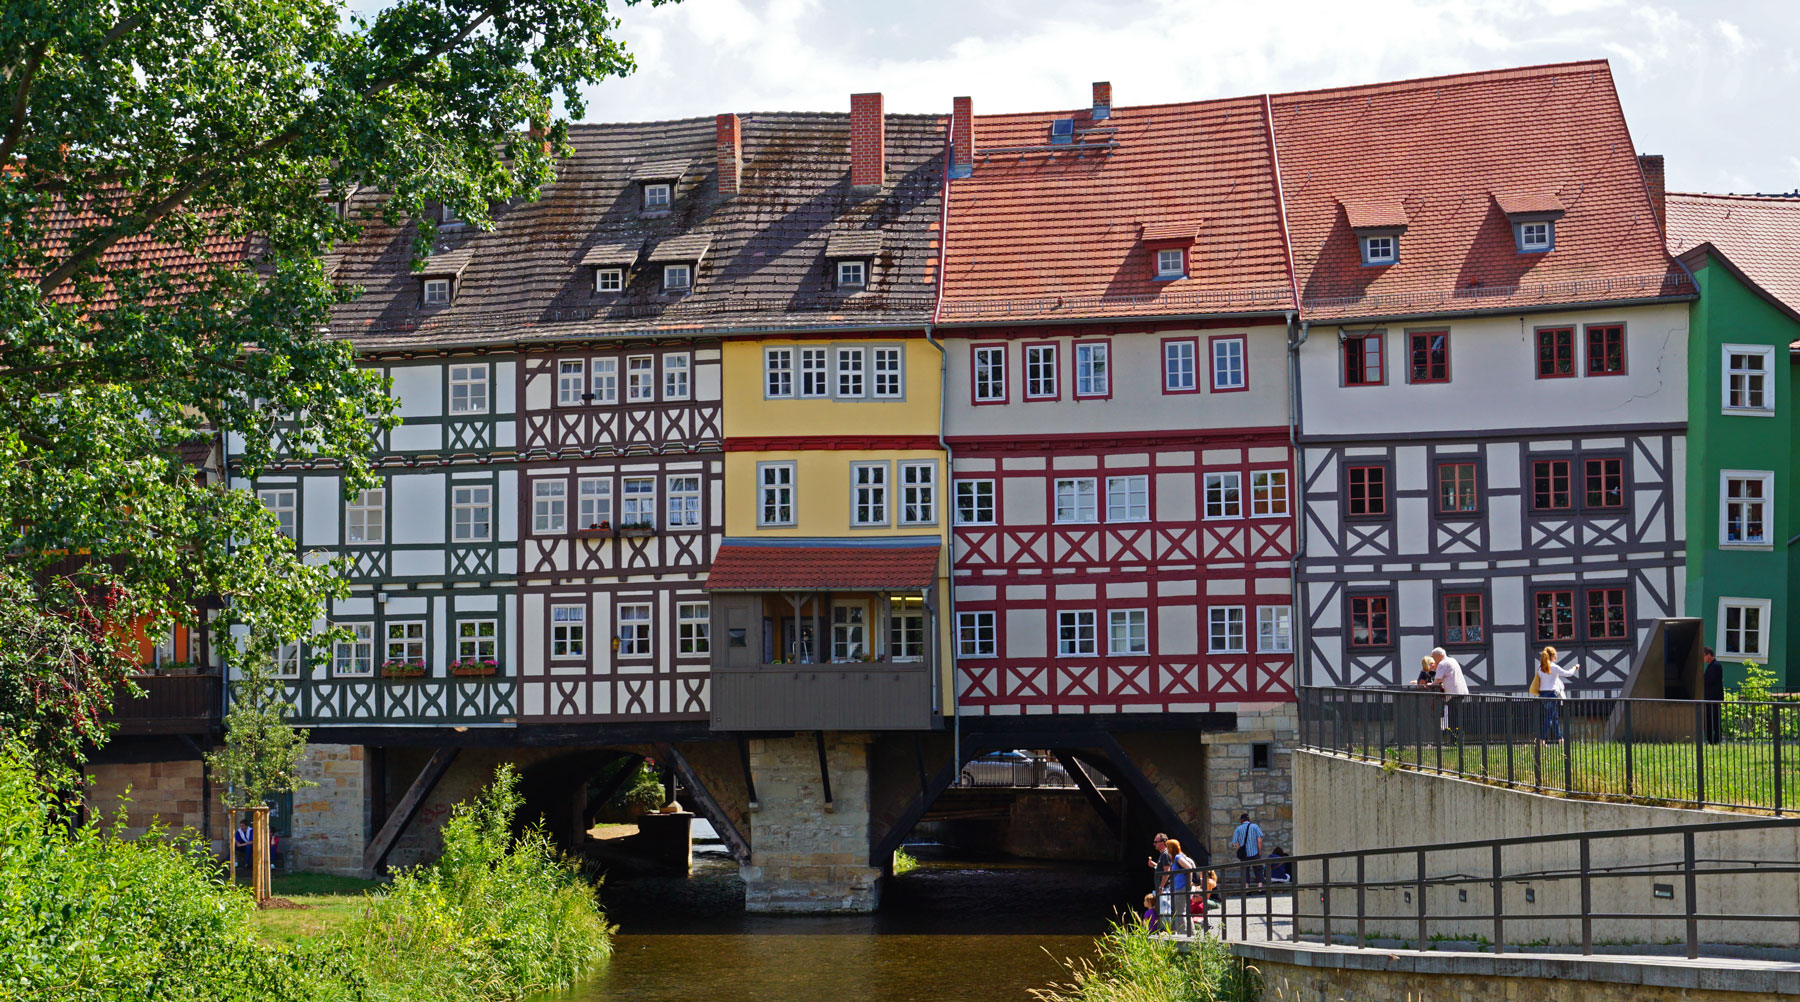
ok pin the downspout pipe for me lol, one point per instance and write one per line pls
(1297, 334)
(949, 510)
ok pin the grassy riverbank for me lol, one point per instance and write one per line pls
(1133, 966)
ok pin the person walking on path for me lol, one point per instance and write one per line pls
(1247, 839)
(1161, 861)
(1548, 684)
(241, 840)
(1450, 676)
(1713, 684)
(1183, 872)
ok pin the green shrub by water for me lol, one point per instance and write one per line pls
(1134, 966)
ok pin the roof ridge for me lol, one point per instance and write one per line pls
(708, 120)
(1467, 77)
(1791, 199)
(1076, 112)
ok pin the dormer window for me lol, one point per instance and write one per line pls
(678, 277)
(850, 257)
(1533, 215)
(440, 276)
(1171, 264)
(1168, 245)
(852, 274)
(656, 196)
(1380, 250)
(609, 280)
(1378, 224)
(448, 217)
(680, 258)
(660, 178)
(437, 292)
(1535, 238)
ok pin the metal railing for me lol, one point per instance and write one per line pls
(1674, 752)
(1481, 891)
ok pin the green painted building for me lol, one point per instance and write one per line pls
(1743, 502)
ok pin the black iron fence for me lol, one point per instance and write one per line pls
(168, 704)
(1672, 752)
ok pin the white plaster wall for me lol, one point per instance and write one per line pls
(419, 507)
(419, 388)
(323, 501)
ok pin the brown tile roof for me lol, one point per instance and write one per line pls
(764, 266)
(662, 170)
(744, 565)
(447, 263)
(687, 247)
(853, 243)
(615, 254)
(1044, 236)
(1760, 235)
(1440, 148)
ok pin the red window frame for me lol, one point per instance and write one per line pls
(1561, 609)
(1606, 614)
(1373, 482)
(1372, 612)
(1555, 349)
(1421, 367)
(1055, 370)
(1610, 471)
(1463, 474)
(1605, 349)
(1545, 472)
(975, 397)
(1356, 347)
(1163, 361)
(1464, 611)
(1212, 375)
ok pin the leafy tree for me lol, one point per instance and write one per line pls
(262, 751)
(171, 172)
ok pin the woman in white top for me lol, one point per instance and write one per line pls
(1549, 684)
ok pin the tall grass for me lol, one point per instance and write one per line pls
(1134, 966)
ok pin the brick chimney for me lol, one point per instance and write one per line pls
(868, 143)
(731, 154)
(962, 138)
(1102, 99)
(1651, 164)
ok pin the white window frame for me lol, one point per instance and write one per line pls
(1076, 504)
(693, 629)
(640, 379)
(678, 277)
(287, 661)
(1171, 263)
(907, 637)
(971, 500)
(775, 490)
(603, 382)
(1765, 504)
(918, 492)
(571, 381)
(1041, 372)
(678, 373)
(1227, 482)
(437, 292)
(1267, 487)
(976, 636)
(815, 370)
(1390, 250)
(869, 494)
(1274, 629)
(568, 631)
(658, 195)
(1093, 370)
(636, 505)
(1181, 361)
(853, 274)
(609, 280)
(1135, 624)
(407, 636)
(1128, 498)
(282, 503)
(850, 372)
(990, 373)
(367, 505)
(359, 649)
(1221, 621)
(469, 389)
(1077, 633)
(549, 507)
(850, 633)
(778, 373)
(1723, 646)
(683, 493)
(1729, 372)
(887, 369)
(477, 640)
(594, 502)
(1529, 246)
(1230, 366)
(637, 629)
(471, 506)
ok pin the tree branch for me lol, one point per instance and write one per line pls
(15, 119)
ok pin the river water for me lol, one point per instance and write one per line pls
(947, 932)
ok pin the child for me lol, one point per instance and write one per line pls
(1150, 911)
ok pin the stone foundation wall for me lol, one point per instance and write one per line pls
(170, 794)
(331, 818)
(805, 857)
(1234, 786)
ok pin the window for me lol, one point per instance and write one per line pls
(1606, 614)
(1274, 629)
(1744, 507)
(568, 632)
(405, 643)
(1268, 493)
(1743, 629)
(1605, 349)
(1040, 372)
(1128, 499)
(609, 280)
(1535, 238)
(549, 507)
(1367, 489)
(1128, 631)
(281, 504)
(1380, 250)
(678, 277)
(1092, 377)
(656, 196)
(1075, 500)
(852, 274)
(775, 490)
(477, 640)
(634, 630)
(365, 517)
(849, 631)
(1369, 624)
(975, 634)
(990, 374)
(1225, 629)
(640, 378)
(355, 656)
(888, 384)
(1553, 618)
(778, 372)
(1550, 485)
(637, 501)
(1428, 356)
(1224, 495)
(468, 389)
(287, 661)
(606, 380)
(569, 377)
(814, 379)
(974, 502)
(1075, 633)
(684, 502)
(1555, 352)
(594, 497)
(906, 628)
(1456, 490)
(868, 490)
(1463, 622)
(1171, 264)
(437, 291)
(1229, 370)
(1747, 385)
(918, 493)
(693, 628)
(1605, 485)
(1178, 366)
(675, 375)
(850, 372)
(1362, 359)
(472, 514)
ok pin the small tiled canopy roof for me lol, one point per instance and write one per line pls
(853, 243)
(691, 247)
(1375, 214)
(450, 263)
(662, 170)
(743, 565)
(1529, 203)
(610, 255)
(1155, 233)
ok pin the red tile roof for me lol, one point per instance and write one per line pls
(1041, 235)
(1375, 214)
(141, 253)
(1760, 235)
(1440, 148)
(1516, 203)
(780, 566)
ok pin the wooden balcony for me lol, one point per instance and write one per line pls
(854, 696)
(171, 704)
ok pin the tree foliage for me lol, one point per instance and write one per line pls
(171, 173)
(262, 751)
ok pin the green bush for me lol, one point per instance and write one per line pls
(1135, 966)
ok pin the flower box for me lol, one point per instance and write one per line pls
(403, 669)
(637, 529)
(597, 529)
(474, 669)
